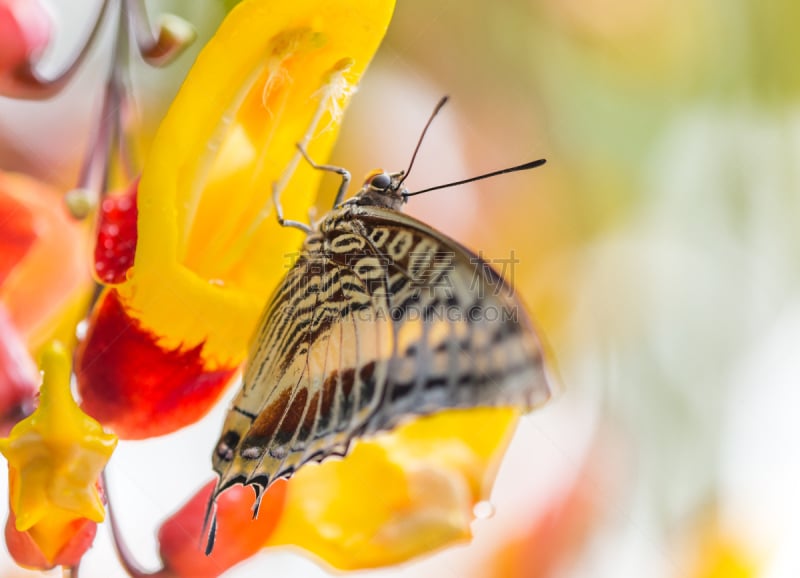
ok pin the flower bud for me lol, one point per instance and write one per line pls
(55, 457)
(78, 535)
(116, 236)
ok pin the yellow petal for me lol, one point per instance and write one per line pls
(30, 496)
(399, 495)
(55, 531)
(209, 249)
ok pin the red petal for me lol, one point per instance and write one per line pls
(239, 536)
(133, 386)
(116, 236)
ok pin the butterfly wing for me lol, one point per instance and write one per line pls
(380, 319)
(462, 337)
(309, 385)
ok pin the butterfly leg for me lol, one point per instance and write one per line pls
(279, 212)
(344, 173)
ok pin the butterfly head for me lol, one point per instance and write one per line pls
(382, 189)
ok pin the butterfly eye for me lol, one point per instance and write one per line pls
(381, 181)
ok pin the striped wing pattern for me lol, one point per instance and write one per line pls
(381, 318)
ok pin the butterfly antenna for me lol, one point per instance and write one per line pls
(523, 167)
(436, 110)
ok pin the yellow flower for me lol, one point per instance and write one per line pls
(55, 457)
(275, 74)
(209, 249)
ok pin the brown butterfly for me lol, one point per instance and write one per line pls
(380, 319)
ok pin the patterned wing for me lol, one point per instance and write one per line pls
(380, 319)
(322, 346)
(462, 337)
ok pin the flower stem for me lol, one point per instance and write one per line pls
(94, 176)
(129, 564)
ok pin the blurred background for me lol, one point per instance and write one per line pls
(657, 249)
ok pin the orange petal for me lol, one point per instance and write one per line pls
(17, 234)
(53, 274)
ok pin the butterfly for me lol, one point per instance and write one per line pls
(380, 319)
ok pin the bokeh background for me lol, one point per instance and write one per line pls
(658, 250)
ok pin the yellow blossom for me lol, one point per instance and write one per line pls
(209, 250)
(55, 458)
(274, 75)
